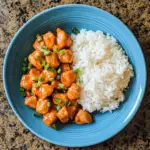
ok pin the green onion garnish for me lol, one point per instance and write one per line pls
(55, 50)
(22, 89)
(36, 57)
(58, 107)
(61, 86)
(36, 85)
(45, 50)
(43, 63)
(75, 30)
(58, 100)
(54, 126)
(24, 69)
(23, 93)
(41, 79)
(52, 69)
(51, 79)
(39, 38)
(29, 66)
(49, 104)
(35, 78)
(59, 70)
(61, 52)
(25, 59)
(46, 67)
(35, 114)
(44, 47)
(78, 71)
(58, 77)
(66, 102)
(79, 81)
(24, 65)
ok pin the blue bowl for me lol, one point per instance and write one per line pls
(81, 16)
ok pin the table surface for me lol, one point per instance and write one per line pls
(134, 13)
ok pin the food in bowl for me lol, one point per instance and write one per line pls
(69, 76)
(49, 83)
(106, 71)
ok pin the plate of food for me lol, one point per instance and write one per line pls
(74, 75)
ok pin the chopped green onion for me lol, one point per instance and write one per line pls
(51, 79)
(44, 47)
(78, 71)
(58, 77)
(45, 50)
(54, 126)
(39, 38)
(22, 89)
(66, 102)
(35, 114)
(58, 100)
(79, 81)
(52, 69)
(48, 104)
(24, 69)
(55, 50)
(25, 59)
(43, 63)
(35, 78)
(46, 66)
(61, 52)
(36, 57)
(61, 86)
(75, 30)
(41, 79)
(24, 65)
(22, 93)
(29, 66)
(36, 85)
(59, 70)
(58, 107)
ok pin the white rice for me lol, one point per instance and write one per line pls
(106, 71)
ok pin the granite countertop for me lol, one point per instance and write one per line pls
(134, 13)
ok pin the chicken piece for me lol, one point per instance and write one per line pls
(48, 75)
(26, 82)
(38, 43)
(31, 101)
(43, 91)
(49, 39)
(35, 59)
(63, 39)
(73, 91)
(52, 60)
(83, 117)
(68, 77)
(59, 98)
(50, 118)
(34, 73)
(66, 57)
(65, 67)
(71, 111)
(42, 106)
(63, 115)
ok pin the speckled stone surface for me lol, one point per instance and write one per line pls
(134, 13)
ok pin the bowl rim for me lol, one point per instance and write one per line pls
(17, 114)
